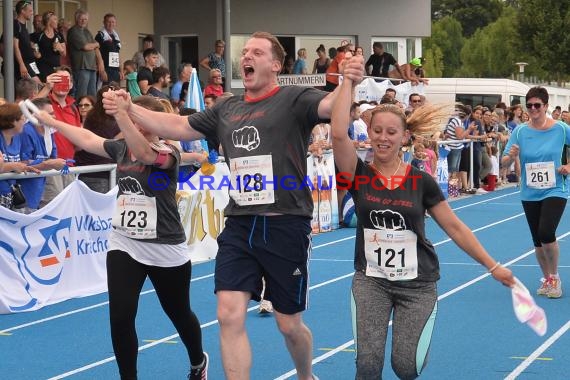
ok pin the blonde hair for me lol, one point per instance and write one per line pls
(166, 105)
(424, 121)
(214, 71)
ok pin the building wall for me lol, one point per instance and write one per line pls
(371, 18)
(134, 18)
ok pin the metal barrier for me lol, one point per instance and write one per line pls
(112, 168)
(444, 142)
(75, 170)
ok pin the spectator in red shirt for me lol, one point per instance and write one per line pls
(332, 80)
(64, 109)
(214, 86)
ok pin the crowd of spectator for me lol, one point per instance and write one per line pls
(95, 61)
(64, 69)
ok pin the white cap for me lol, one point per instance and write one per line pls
(365, 107)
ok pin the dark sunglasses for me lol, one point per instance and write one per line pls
(534, 105)
(84, 105)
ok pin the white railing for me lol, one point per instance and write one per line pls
(75, 170)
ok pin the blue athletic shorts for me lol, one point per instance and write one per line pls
(277, 248)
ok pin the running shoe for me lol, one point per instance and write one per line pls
(544, 287)
(202, 372)
(265, 307)
(555, 290)
(480, 191)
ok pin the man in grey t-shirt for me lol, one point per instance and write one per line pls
(264, 134)
(85, 57)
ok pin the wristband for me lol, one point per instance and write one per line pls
(162, 151)
(161, 158)
(494, 267)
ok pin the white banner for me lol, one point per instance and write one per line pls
(370, 90)
(306, 80)
(59, 252)
(201, 203)
(56, 253)
(321, 172)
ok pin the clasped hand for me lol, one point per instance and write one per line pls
(116, 101)
(352, 68)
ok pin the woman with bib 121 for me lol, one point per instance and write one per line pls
(396, 266)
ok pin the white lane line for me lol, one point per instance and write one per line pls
(83, 309)
(441, 297)
(174, 336)
(485, 201)
(536, 354)
(57, 316)
(249, 309)
(484, 227)
(211, 275)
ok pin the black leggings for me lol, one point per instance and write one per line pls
(125, 279)
(543, 218)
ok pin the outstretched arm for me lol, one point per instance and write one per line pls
(80, 137)
(165, 125)
(466, 240)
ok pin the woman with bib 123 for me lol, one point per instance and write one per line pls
(396, 266)
(540, 145)
(147, 238)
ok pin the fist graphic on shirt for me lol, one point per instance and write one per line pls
(387, 220)
(129, 185)
(246, 138)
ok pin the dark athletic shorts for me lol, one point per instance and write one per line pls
(277, 248)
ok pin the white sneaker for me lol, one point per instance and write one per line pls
(265, 307)
(544, 287)
(555, 290)
(481, 191)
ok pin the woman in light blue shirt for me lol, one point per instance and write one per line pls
(539, 144)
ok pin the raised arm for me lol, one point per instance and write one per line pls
(162, 124)
(137, 143)
(80, 137)
(353, 70)
(343, 148)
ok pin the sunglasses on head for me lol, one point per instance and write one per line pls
(534, 105)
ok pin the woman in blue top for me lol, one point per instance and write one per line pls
(11, 127)
(539, 144)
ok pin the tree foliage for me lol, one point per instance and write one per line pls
(471, 14)
(488, 52)
(445, 43)
(542, 29)
(494, 35)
